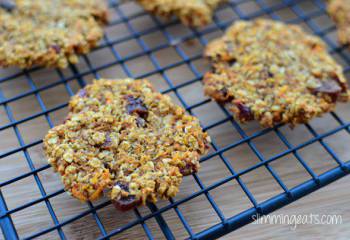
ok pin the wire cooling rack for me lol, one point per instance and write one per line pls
(32, 201)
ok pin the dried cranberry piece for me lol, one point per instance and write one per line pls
(123, 186)
(140, 122)
(231, 62)
(336, 78)
(56, 48)
(330, 87)
(244, 112)
(224, 95)
(125, 203)
(270, 74)
(8, 5)
(213, 69)
(224, 91)
(188, 169)
(106, 165)
(108, 141)
(136, 105)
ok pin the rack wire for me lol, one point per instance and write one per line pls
(307, 13)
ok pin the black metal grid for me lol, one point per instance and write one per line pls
(307, 13)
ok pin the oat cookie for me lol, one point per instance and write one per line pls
(125, 139)
(273, 73)
(340, 12)
(191, 12)
(49, 33)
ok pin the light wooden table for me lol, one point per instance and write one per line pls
(333, 199)
(230, 198)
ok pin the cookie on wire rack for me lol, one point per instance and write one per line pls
(274, 73)
(124, 139)
(195, 13)
(49, 33)
(339, 10)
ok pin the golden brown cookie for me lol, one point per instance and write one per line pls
(339, 10)
(124, 138)
(191, 12)
(49, 33)
(273, 73)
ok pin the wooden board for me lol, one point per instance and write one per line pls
(198, 212)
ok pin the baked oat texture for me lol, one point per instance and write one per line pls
(339, 10)
(274, 73)
(125, 139)
(49, 33)
(194, 13)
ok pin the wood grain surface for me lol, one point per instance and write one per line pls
(42, 90)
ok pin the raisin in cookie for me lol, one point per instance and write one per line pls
(340, 12)
(273, 73)
(124, 138)
(48, 33)
(191, 12)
